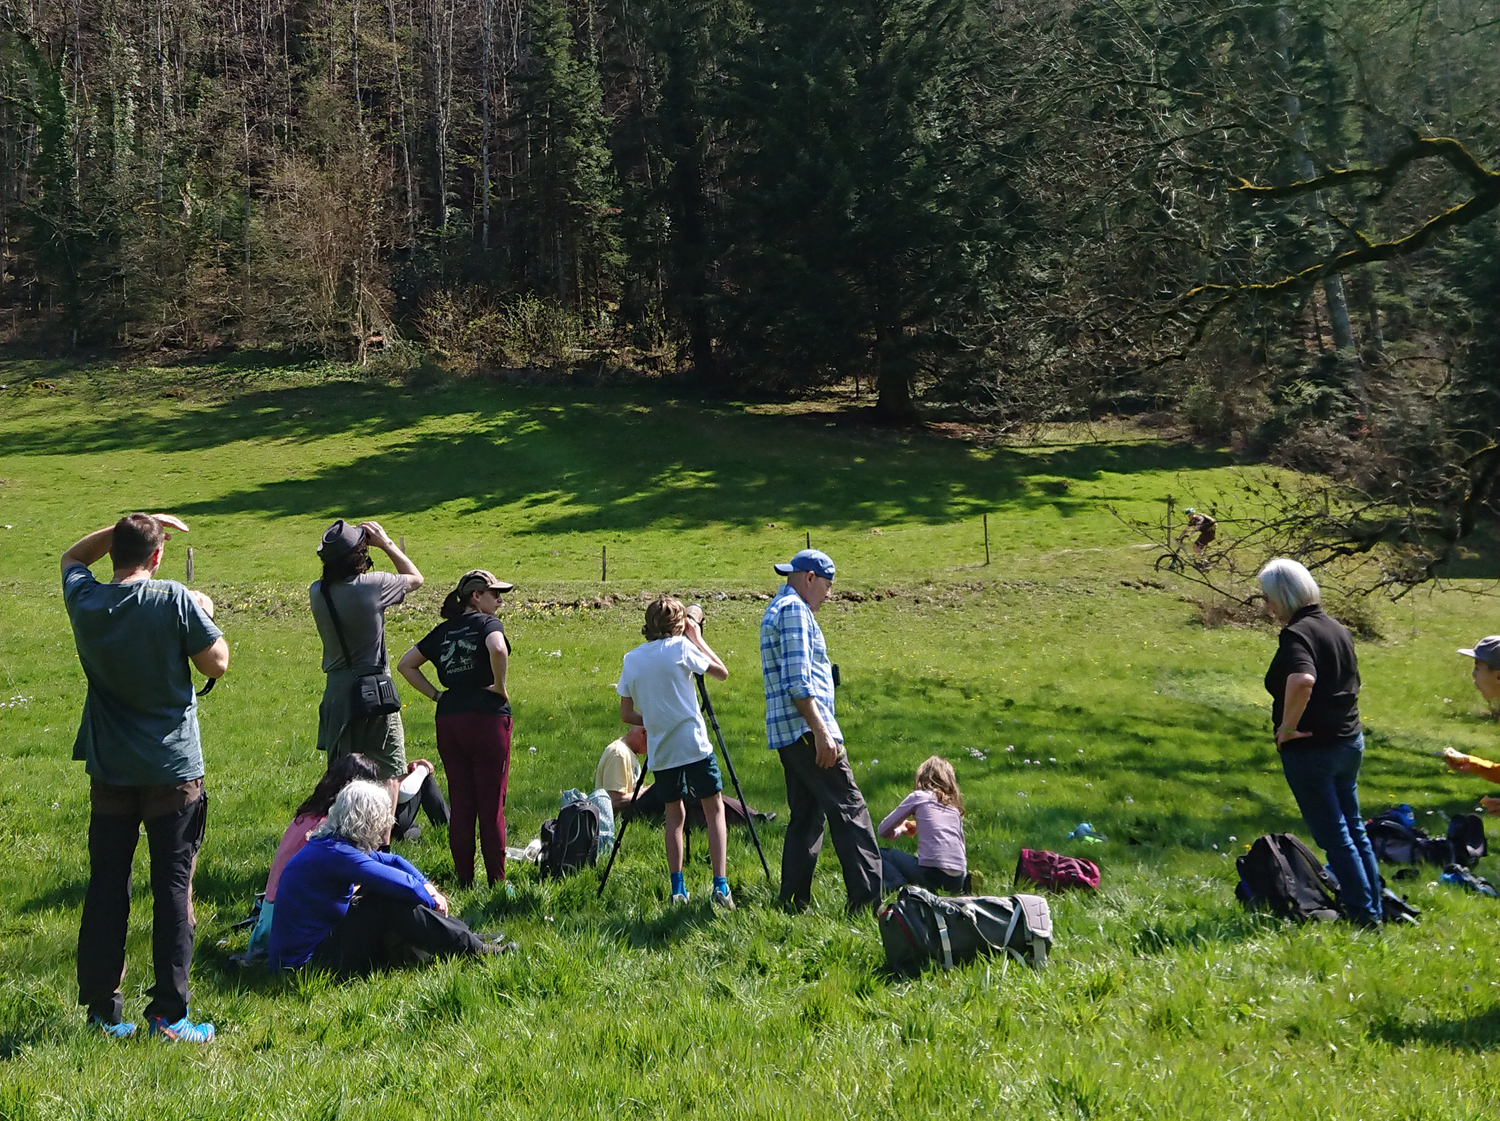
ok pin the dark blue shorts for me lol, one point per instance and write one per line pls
(695, 780)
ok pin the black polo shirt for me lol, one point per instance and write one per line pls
(1316, 643)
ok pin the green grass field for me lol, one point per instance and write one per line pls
(1062, 686)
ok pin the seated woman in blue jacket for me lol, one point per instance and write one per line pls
(343, 906)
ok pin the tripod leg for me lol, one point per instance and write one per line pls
(713, 719)
(620, 832)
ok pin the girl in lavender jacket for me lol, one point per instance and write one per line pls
(933, 813)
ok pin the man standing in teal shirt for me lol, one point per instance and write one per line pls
(138, 741)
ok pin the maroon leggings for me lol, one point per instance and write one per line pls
(475, 749)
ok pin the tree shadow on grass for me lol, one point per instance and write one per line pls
(64, 896)
(613, 461)
(1476, 1033)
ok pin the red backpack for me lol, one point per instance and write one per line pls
(1056, 872)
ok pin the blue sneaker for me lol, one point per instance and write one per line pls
(113, 1030)
(183, 1031)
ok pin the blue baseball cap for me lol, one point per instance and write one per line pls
(1486, 650)
(815, 561)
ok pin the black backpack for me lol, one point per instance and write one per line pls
(1281, 873)
(1466, 833)
(570, 840)
(1396, 842)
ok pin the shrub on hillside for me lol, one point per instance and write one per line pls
(477, 331)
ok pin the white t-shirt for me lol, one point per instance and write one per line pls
(658, 678)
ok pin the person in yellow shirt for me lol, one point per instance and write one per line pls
(1486, 655)
(619, 768)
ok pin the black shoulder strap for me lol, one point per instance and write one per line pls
(337, 627)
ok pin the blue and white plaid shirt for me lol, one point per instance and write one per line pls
(794, 660)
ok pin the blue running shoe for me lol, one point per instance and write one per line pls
(183, 1031)
(113, 1030)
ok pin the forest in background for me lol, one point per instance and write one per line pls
(1276, 220)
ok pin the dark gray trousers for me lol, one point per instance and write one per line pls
(174, 833)
(817, 795)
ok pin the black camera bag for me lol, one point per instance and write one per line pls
(374, 693)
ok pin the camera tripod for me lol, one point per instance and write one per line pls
(713, 719)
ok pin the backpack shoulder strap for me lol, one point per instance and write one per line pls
(338, 628)
(937, 913)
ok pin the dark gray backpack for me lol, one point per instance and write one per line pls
(918, 927)
(570, 840)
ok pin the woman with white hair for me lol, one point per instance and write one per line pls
(396, 915)
(1314, 687)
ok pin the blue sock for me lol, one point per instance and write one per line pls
(679, 885)
(721, 884)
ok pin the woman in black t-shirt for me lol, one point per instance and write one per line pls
(1314, 687)
(471, 653)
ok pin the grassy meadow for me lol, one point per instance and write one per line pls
(1066, 681)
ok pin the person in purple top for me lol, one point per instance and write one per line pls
(393, 918)
(934, 814)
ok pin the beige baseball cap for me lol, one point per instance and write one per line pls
(478, 578)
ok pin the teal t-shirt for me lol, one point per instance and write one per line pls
(140, 718)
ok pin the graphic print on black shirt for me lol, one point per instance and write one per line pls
(457, 648)
(456, 654)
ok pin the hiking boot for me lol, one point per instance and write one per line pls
(679, 899)
(115, 1030)
(183, 1031)
(722, 899)
(498, 945)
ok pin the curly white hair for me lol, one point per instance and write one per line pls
(361, 815)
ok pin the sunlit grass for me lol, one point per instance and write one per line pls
(1165, 998)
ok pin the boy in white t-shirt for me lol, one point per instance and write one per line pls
(656, 690)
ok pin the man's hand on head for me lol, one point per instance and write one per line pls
(172, 521)
(203, 601)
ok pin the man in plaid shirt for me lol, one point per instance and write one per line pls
(801, 728)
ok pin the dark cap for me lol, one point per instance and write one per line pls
(340, 538)
(477, 579)
(808, 560)
(1486, 650)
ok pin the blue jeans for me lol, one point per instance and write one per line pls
(897, 867)
(1324, 782)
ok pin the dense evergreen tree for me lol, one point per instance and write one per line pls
(569, 187)
(862, 217)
